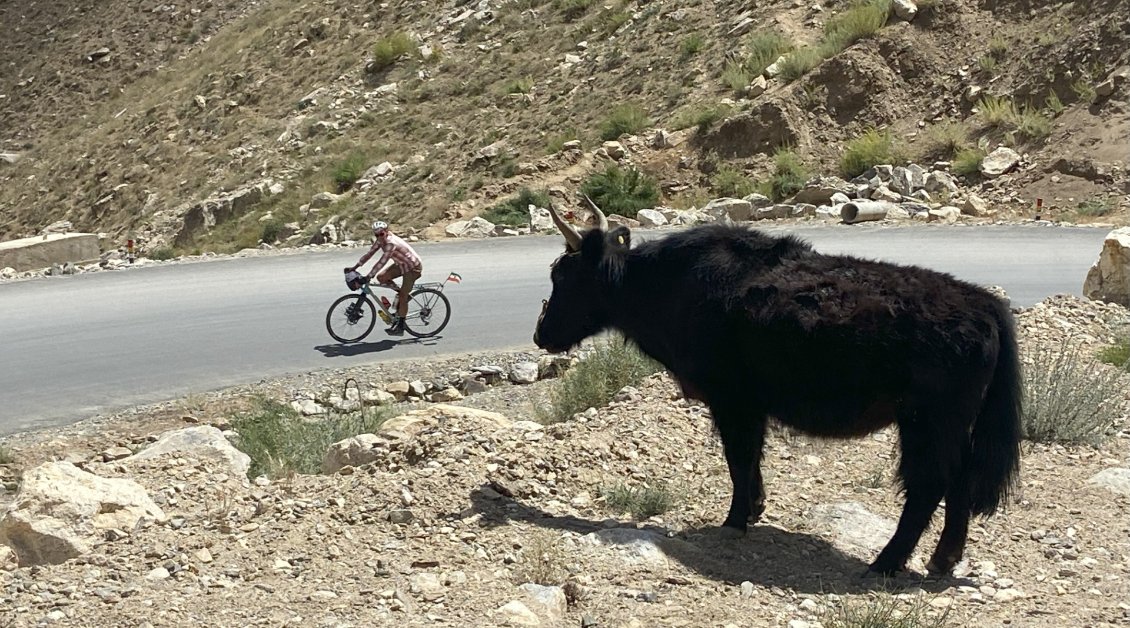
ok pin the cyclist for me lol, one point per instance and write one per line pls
(406, 263)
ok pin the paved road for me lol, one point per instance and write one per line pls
(72, 347)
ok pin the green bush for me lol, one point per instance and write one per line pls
(625, 119)
(1094, 207)
(800, 62)
(871, 149)
(280, 441)
(271, 230)
(623, 192)
(519, 86)
(390, 48)
(514, 211)
(789, 175)
(348, 172)
(968, 161)
(863, 19)
(1022, 122)
(1117, 354)
(699, 117)
(691, 45)
(731, 182)
(764, 49)
(556, 143)
(611, 365)
(944, 140)
(1068, 399)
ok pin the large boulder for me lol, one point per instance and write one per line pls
(201, 442)
(735, 209)
(476, 227)
(61, 510)
(820, 190)
(1109, 277)
(1000, 161)
(401, 430)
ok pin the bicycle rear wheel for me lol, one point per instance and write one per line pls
(428, 312)
(351, 318)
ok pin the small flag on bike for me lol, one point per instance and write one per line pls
(454, 277)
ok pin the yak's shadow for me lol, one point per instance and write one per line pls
(767, 555)
(361, 348)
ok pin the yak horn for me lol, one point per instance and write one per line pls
(602, 221)
(572, 238)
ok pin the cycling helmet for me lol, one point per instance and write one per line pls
(379, 227)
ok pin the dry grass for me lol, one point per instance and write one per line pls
(1069, 397)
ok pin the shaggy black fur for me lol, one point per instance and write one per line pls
(761, 327)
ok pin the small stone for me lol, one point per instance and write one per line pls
(401, 516)
(1008, 595)
(747, 589)
(160, 573)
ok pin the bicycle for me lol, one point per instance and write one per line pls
(357, 312)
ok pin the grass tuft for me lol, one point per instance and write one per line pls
(612, 364)
(281, 442)
(642, 502)
(871, 149)
(620, 191)
(515, 211)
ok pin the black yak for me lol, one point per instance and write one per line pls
(761, 327)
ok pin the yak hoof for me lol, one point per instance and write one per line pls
(939, 571)
(884, 569)
(728, 532)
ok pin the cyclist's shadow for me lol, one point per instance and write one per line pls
(338, 350)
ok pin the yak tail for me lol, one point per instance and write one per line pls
(995, 464)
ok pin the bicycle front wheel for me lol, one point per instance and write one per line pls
(428, 313)
(351, 318)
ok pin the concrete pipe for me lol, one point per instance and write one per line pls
(859, 211)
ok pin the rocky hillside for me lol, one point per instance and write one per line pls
(468, 512)
(210, 125)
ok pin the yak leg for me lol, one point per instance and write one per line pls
(951, 545)
(742, 440)
(923, 473)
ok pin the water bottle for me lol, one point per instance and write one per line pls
(385, 303)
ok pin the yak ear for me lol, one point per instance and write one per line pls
(619, 239)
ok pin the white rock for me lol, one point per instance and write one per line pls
(540, 220)
(476, 227)
(524, 373)
(651, 218)
(353, 452)
(736, 209)
(549, 602)
(61, 509)
(854, 529)
(1117, 480)
(1109, 277)
(518, 614)
(201, 442)
(905, 9)
(1000, 161)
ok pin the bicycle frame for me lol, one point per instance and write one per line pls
(385, 313)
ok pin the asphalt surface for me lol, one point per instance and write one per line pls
(73, 347)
